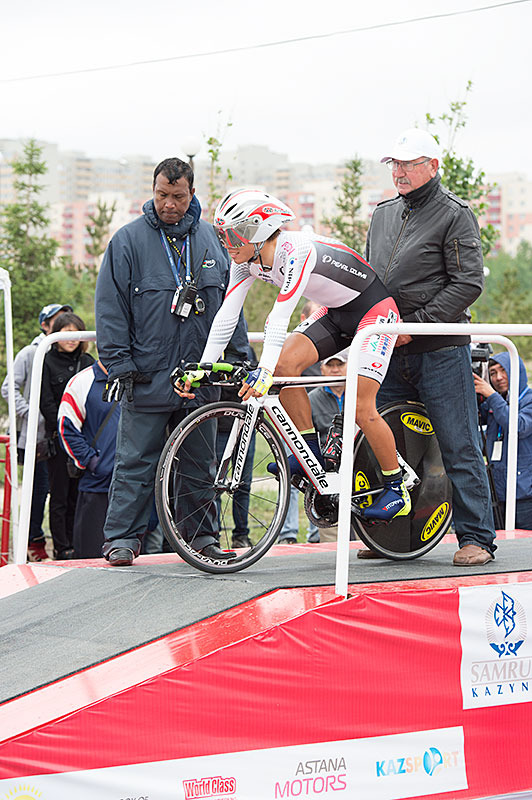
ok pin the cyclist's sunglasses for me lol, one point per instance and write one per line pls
(230, 238)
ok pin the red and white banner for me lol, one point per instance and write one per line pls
(396, 692)
(383, 768)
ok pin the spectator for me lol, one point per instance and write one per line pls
(23, 366)
(425, 246)
(494, 411)
(290, 529)
(326, 402)
(87, 427)
(61, 362)
(145, 328)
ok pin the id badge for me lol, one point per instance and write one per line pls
(186, 300)
(496, 453)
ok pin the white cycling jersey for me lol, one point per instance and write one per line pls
(304, 265)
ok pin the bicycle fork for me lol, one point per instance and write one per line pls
(238, 440)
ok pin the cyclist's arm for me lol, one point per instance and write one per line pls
(226, 319)
(297, 273)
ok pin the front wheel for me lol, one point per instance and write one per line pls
(414, 535)
(194, 497)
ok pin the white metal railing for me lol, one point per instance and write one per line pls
(487, 333)
(479, 332)
(5, 286)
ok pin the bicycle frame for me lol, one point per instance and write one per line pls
(324, 482)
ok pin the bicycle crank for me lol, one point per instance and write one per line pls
(322, 510)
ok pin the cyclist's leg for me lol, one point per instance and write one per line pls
(394, 499)
(375, 355)
(375, 429)
(298, 353)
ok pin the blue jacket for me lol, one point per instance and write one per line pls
(495, 413)
(134, 292)
(80, 415)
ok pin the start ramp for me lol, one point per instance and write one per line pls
(158, 682)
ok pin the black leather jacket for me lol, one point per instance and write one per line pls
(425, 247)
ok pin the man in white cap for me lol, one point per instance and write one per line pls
(425, 246)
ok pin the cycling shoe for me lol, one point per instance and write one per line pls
(394, 501)
(295, 467)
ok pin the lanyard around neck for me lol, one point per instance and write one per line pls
(175, 269)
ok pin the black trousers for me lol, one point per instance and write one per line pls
(63, 498)
(91, 510)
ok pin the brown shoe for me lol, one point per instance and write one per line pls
(368, 554)
(471, 555)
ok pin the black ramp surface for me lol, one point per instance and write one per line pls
(92, 614)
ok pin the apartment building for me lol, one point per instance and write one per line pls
(75, 181)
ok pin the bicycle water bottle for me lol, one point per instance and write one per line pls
(332, 450)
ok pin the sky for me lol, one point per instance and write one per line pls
(322, 99)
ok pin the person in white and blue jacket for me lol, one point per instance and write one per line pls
(81, 413)
(495, 412)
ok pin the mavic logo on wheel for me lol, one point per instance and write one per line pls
(435, 522)
(417, 423)
(362, 483)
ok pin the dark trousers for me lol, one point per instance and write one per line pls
(63, 498)
(91, 510)
(241, 495)
(38, 498)
(523, 514)
(140, 440)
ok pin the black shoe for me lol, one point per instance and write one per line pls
(241, 541)
(121, 557)
(213, 551)
(64, 555)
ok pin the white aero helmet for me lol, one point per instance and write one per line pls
(249, 216)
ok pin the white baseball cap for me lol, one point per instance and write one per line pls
(341, 356)
(412, 144)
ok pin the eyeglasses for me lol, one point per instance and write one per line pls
(406, 166)
(230, 238)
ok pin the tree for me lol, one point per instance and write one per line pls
(347, 224)
(217, 177)
(508, 293)
(26, 250)
(98, 230)
(459, 174)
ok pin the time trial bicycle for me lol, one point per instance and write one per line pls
(232, 445)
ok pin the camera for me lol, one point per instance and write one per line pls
(480, 355)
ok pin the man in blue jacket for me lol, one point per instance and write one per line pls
(495, 413)
(161, 282)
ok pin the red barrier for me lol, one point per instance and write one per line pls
(386, 695)
(6, 508)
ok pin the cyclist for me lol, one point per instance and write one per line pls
(302, 264)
